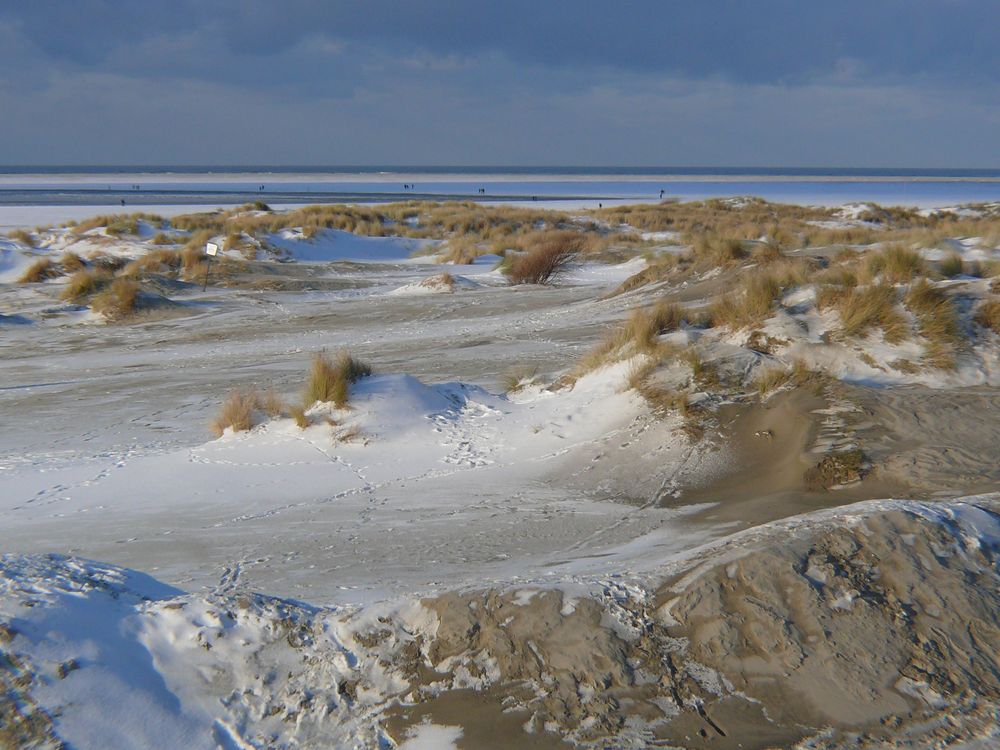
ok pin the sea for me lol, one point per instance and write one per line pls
(135, 187)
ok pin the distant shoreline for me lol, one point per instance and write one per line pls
(170, 173)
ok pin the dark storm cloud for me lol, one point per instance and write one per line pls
(762, 81)
(760, 41)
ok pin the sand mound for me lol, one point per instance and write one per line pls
(865, 623)
(869, 625)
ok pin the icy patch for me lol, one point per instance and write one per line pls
(333, 244)
(432, 737)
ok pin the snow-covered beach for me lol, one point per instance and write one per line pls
(542, 491)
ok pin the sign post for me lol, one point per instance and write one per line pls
(211, 250)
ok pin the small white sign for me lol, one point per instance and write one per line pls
(211, 249)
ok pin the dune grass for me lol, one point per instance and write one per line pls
(750, 305)
(160, 260)
(22, 236)
(330, 381)
(838, 468)
(951, 266)
(84, 284)
(545, 256)
(639, 333)
(107, 263)
(866, 308)
(243, 406)
(895, 264)
(937, 321)
(771, 378)
(237, 411)
(41, 270)
(298, 413)
(518, 378)
(119, 300)
(71, 262)
(988, 315)
(710, 251)
(117, 224)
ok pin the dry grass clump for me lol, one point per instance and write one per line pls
(710, 252)
(108, 263)
(71, 262)
(746, 218)
(988, 315)
(242, 407)
(659, 268)
(298, 413)
(862, 309)
(329, 382)
(85, 283)
(446, 220)
(117, 224)
(41, 270)
(462, 251)
(155, 261)
(749, 306)
(836, 469)
(237, 411)
(897, 216)
(193, 254)
(837, 275)
(195, 244)
(546, 256)
(120, 300)
(271, 404)
(938, 323)
(645, 325)
(703, 374)
(771, 378)
(518, 378)
(637, 334)
(162, 238)
(951, 266)
(894, 263)
(23, 237)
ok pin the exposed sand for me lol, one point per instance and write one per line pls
(871, 625)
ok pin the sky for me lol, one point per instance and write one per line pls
(850, 83)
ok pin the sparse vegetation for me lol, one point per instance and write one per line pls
(329, 382)
(862, 309)
(118, 224)
(951, 266)
(772, 378)
(546, 255)
(988, 315)
(637, 334)
(25, 238)
(84, 284)
(519, 378)
(750, 305)
(298, 413)
(108, 263)
(841, 467)
(710, 251)
(118, 301)
(71, 262)
(162, 238)
(244, 408)
(895, 264)
(237, 412)
(937, 321)
(41, 270)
